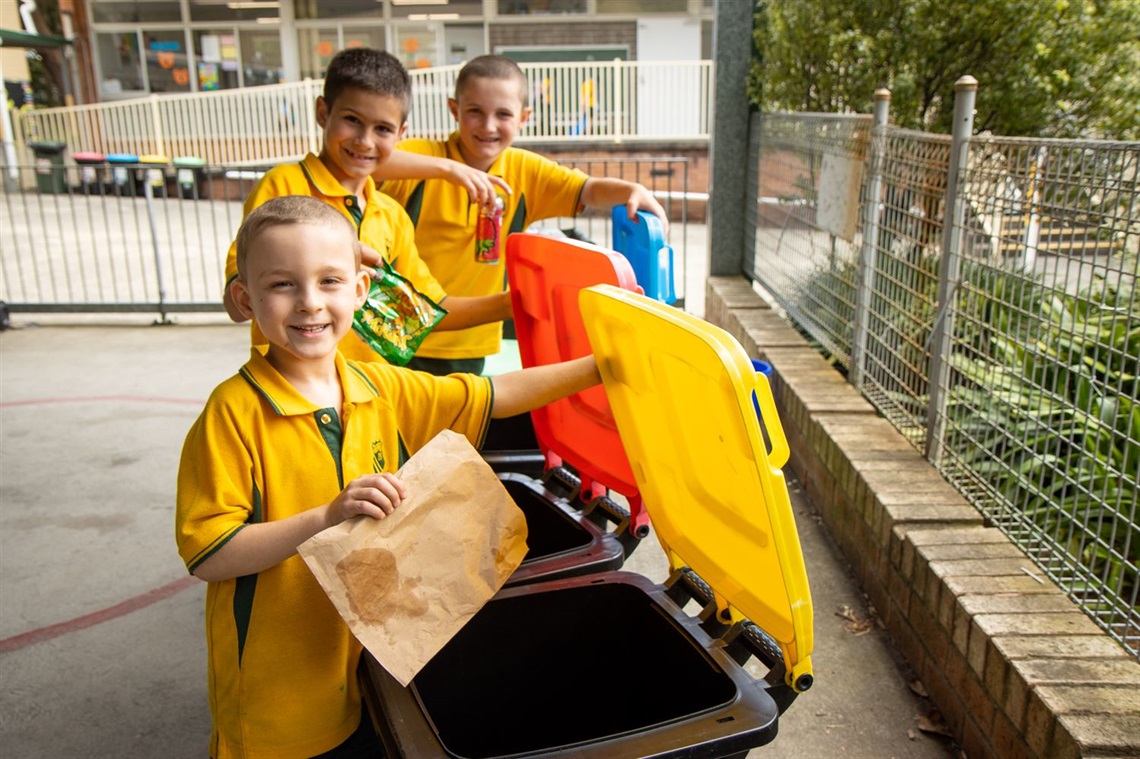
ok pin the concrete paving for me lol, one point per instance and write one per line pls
(102, 651)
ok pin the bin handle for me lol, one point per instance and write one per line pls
(780, 452)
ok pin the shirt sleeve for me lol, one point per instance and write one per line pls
(216, 494)
(405, 258)
(402, 189)
(553, 189)
(458, 402)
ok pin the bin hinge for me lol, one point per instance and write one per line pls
(558, 479)
(602, 509)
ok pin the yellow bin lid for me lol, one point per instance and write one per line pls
(681, 393)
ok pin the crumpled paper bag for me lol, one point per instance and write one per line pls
(407, 583)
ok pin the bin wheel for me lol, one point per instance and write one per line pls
(5, 317)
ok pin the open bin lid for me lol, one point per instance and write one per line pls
(643, 243)
(546, 275)
(681, 392)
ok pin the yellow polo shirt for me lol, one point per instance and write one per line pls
(382, 225)
(282, 663)
(445, 219)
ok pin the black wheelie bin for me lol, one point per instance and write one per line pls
(522, 678)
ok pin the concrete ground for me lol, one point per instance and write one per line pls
(102, 650)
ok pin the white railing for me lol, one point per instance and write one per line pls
(631, 101)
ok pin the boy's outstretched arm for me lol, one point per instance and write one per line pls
(462, 311)
(604, 192)
(402, 164)
(527, 389)
(471, 311)
(258, 547)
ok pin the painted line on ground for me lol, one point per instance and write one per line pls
(141, 601)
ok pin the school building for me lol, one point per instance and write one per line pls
(133, 48)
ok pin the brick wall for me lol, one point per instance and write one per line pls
(1016, 669)
(603, 160)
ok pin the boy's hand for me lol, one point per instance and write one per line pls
(641, 198)
(370, 495)
(369, 258)
(480, 185)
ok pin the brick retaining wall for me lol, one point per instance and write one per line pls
(1015, 667)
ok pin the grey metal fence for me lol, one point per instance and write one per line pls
(151, 238)
(981, 292)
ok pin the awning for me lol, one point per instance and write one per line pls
(11, 38)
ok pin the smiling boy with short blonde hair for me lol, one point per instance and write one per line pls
(300, 439)
(490, 107)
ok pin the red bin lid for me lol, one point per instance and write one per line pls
(546, 275)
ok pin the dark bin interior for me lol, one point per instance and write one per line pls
(524, 674)
(550, 531)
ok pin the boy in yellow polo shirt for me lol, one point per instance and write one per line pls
(300, 440)
(490, 106)
(362, 114)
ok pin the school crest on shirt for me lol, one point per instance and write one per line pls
(378, 456)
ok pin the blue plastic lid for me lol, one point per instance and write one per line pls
(122, 158)
(643, 243)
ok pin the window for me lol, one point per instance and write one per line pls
(119, 62)
(217, 57)
(416, 46)
(135, 11)
(234, 10)
(373, 38)
(425, 10)
(540, 7)
(316, 47)
(306, 9)
(261, 57)
(642, 6)
(167, 65)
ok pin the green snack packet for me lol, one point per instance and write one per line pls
(396, 317)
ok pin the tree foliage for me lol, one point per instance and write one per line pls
(1062, 68)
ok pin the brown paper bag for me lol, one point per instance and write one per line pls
(407, 583)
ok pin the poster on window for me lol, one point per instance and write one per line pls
(207, 76)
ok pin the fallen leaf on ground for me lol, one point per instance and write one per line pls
(918, 688)
(910, 733)
(856, 624)
(931, 724)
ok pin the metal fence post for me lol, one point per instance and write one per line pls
(732, 41)
(619, 101)
(312, 133)
(148, 193)
(865, 272)
(942, 334)
(156, 124)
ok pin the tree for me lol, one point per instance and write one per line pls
(46, 67)
(1061, 68)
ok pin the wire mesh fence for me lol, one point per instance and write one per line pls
(1034, 411)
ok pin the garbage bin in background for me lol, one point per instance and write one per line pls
(190, 177)
(92, 172)
(152, 171)
(120, 166)
(50, 177)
